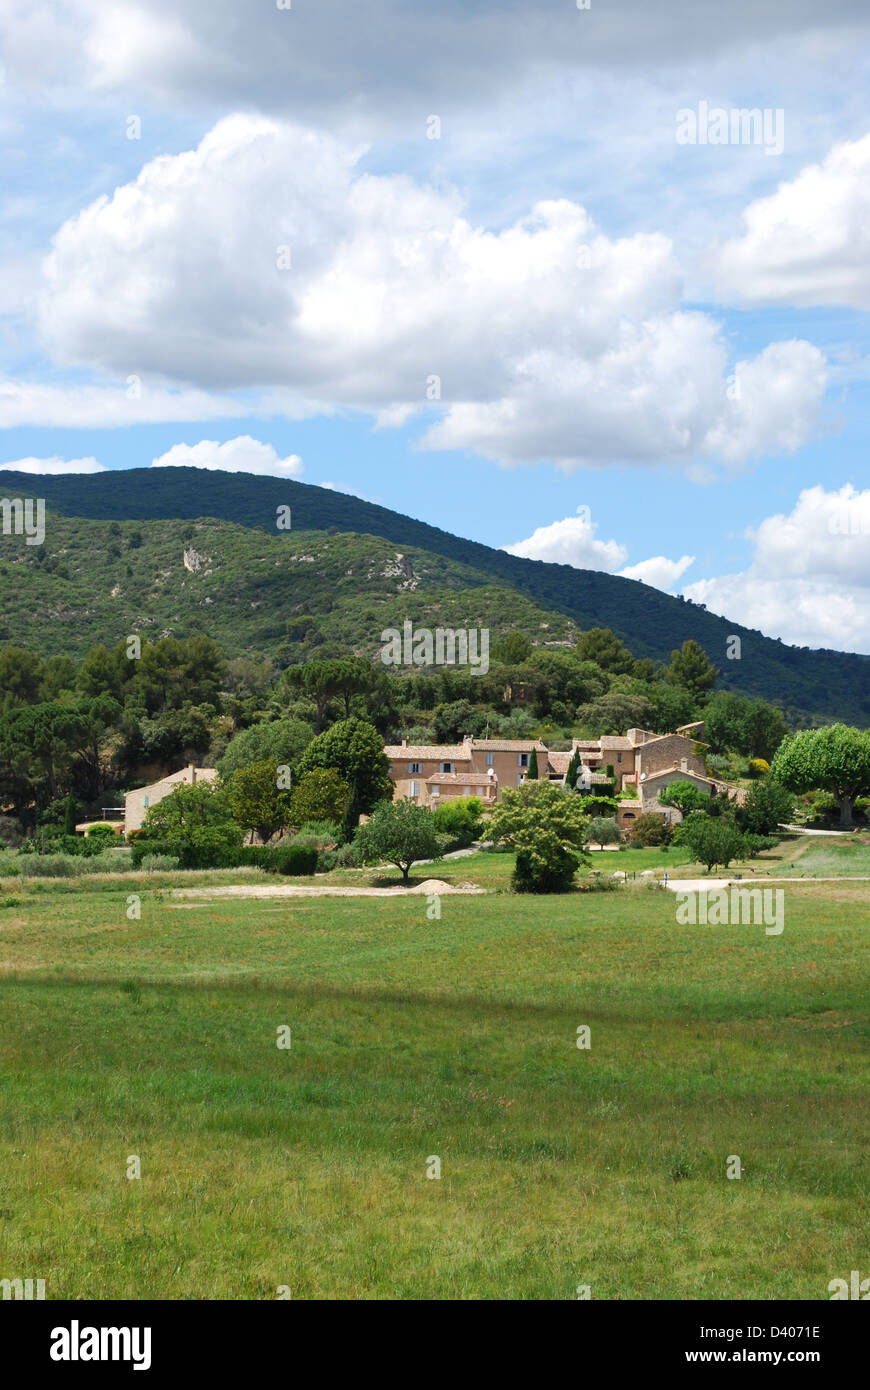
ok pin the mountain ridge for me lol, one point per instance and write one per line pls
(816, 682)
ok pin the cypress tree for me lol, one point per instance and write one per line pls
(532, 774)
(573, 771)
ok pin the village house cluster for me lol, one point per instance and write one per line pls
(643, 764)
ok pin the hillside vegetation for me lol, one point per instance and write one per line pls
(823, 684)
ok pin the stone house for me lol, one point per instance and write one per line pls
(643, 764)
(137, 802)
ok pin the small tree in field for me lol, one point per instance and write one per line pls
(399, 832)
(547, 827)
(711, 840)
(601, 831)
(835, 758)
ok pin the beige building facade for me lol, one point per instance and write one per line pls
(138, 802)
(643, 764)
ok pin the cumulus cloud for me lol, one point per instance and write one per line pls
(809, 580)
(53, 466)
(241, 455)
(272, 59)
(545, 340)
(809, 242)
(572, 541)
(658, 571)
(34, 403)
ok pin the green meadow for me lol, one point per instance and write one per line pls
(414, 1038)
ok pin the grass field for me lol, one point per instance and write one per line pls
(413, 1038)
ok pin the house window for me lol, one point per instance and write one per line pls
(446, 767)
(489, 758)
(478, 791)
(522, 760)
(466, 791)
(415, 789)
(413, 767)
(619, 757)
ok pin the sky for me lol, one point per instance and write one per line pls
(589, 283)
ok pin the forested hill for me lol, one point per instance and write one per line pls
(823, 683)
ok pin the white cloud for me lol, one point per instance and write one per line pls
(348, 490)
(33, 403)
(546, 340)
(241, 455)
(572, 541)
(185, 53)
(809, 580)
(53, 466)
(658, 571)
(809, 242)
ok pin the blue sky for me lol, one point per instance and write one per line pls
(672, 336)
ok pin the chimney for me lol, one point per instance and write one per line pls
(404, 743)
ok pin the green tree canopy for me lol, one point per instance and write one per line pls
(685, 795)
(692, 670)
(602, 830)
(768, 805)
(256, 801)
(711, 839)
(835, 758)
(282, 740)
(547, 828)
(603, 647)
(193, 817)
(399, 832)
(319, 795)
(354, 748)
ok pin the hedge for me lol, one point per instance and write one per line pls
(275, 859)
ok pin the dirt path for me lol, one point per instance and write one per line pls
(295, 890)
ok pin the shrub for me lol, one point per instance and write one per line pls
(158, 863)
(51, 866)
(459, 821)
(712, 840)
(767, 806)
(651, 830)
(103, 830)
(554, 876)
(603, 831)
(758, 767)
(546, 826)
(112, 861)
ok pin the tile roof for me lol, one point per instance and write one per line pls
(559, 762)
(442, 753)
(612, 741)
(508, 745)
(462, 779)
